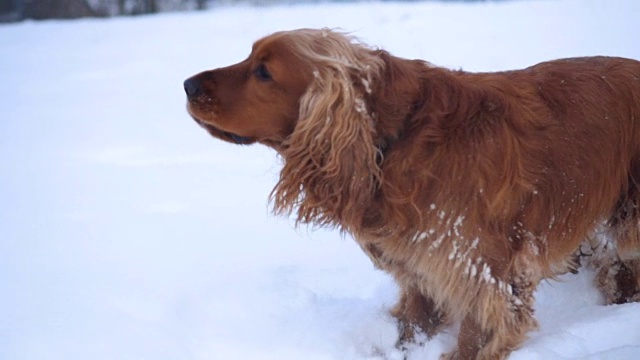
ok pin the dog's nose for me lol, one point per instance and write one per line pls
(192, 87)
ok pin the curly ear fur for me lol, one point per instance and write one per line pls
(330, 170)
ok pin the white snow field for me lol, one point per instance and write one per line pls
(126, 232)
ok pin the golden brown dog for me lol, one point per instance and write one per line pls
(468, 188)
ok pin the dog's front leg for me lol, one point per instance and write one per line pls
(416, 313)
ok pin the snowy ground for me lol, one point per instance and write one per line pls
(127, 233)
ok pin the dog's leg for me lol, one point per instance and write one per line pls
(416, 312)
(627, 277)
(504, 329)
(617, 257)
(634, 268)
(501, 315)
(618, 280)
(471, 340)
(628, 281)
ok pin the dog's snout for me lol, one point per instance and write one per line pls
(192, 87)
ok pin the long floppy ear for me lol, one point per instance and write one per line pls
(330, 172)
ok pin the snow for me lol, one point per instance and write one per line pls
(127, 233)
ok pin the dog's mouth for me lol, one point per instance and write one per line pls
(225, 135)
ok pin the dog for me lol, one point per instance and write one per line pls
(468, 188)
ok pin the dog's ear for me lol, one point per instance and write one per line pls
(330, 171)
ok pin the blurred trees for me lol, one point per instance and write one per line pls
(13, 10)
(59, 9)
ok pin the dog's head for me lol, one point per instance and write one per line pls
(287, 74)
(256, 100)
(314, 96)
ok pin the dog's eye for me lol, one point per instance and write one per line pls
(262, 73)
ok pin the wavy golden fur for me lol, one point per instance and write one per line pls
(469, 188)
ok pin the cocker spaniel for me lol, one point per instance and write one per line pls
(469, 188)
